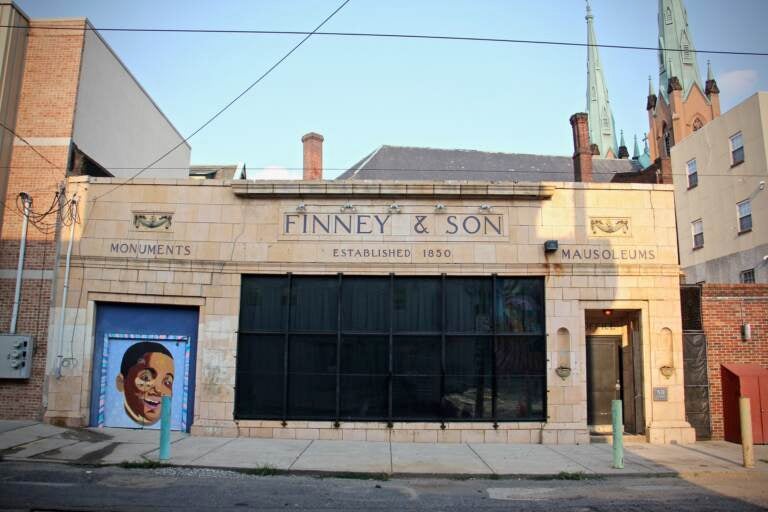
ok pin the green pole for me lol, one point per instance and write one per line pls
(165, 429)
(618, 434)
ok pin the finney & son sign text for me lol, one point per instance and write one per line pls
(383, 224)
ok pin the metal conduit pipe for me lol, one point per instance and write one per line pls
(59, 355)
(27, 201)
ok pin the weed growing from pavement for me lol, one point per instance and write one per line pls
(265, 470)
(144, 464)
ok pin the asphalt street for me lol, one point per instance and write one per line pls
(55, 487)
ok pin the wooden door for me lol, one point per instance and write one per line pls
(603, 377)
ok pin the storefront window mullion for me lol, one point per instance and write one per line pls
(391, 343)
(442, 349)
(338, 352)
(494, 374)
(287, 344)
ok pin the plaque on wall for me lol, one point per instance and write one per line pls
(659, 394)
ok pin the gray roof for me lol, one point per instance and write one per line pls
(407, 163)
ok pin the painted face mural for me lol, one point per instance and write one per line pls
(146, 375)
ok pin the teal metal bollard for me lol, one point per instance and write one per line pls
(618, 434)
(165, 429)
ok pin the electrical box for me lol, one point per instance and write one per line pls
(15, 356)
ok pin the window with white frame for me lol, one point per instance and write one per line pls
(737, 149)
(693, 176)
(747, 276)
(697, 228)
(744, 209)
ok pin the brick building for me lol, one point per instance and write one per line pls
(69, 107)
(717, 314)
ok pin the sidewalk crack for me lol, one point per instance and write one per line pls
(211, 450)
(481, 459)
(569, 458)
(302, 453)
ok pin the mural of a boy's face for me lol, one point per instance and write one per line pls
(144, 385)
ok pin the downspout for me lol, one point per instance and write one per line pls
(27, 201)
(59, 355)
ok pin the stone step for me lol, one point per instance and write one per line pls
(608, 438)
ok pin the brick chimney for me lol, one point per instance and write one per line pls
(313, 156)
(582, 151)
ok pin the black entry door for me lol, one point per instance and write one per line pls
(603, 377)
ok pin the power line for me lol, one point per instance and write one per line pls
(387, 35)
(233, 101)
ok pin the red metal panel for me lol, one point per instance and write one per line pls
(750, 388)
(750, 381)
(730, 383)
(764, 409)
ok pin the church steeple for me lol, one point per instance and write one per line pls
(677, 53)
(602, 129)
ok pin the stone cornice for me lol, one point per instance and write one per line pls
(465, 189)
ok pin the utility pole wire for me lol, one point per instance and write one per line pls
(478, 39)
(232, 102)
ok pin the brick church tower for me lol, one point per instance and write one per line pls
(682, 105)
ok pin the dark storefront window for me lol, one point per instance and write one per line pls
(391, 348)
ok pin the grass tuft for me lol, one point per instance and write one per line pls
(265, 470)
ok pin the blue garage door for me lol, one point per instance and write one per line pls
(142, 353)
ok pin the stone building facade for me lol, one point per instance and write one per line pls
(608, 276)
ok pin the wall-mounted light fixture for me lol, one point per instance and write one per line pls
(348, 207)
(301, 207)
(550, 246)
(746, 331)
(607, 312)
(394, 208)
(440, 207)
(485, 207)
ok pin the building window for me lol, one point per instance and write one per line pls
(697, 227)
(697, 124)
(668, 142)
(686, 47)
(693, 176)
(391, 348)
(737, 149)
(745, 215)
(668, 16)
(747, 276)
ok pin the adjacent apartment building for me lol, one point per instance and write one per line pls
(69, 107)
(721, 199)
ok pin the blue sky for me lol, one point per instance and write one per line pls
(362, 93)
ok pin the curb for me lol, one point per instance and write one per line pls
(365, 475)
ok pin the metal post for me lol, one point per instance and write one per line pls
(27, 201)
(745, 421)
(165, 429)
(618, 434)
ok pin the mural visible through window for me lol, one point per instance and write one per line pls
(391, 348)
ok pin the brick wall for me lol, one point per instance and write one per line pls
(724, 308)
(45, 118)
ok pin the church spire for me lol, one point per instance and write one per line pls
(677, 53)
(602, 130)
(635, 150)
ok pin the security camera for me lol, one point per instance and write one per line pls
(765, 258)
(761, 186)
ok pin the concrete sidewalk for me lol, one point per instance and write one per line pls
(30, 441)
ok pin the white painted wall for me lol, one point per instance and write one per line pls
(116, 122)
(726, 252)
